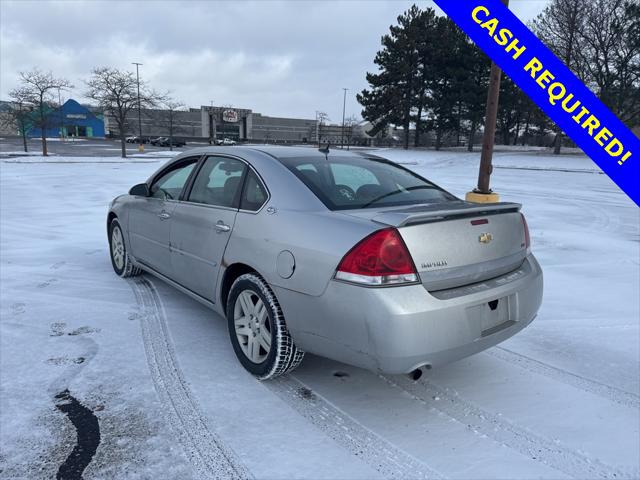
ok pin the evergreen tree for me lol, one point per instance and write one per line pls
(474, 82)
(425, 29)
(390, 99)
(447, 79)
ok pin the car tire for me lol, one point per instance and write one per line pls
(120, 259)
(248, 329)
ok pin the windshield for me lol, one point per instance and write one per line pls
(349, 183)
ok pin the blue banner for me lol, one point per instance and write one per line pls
(553, 87)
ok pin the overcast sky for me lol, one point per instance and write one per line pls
(277, 58)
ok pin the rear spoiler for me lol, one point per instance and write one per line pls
(413, 216)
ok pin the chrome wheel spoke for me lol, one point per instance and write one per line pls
(254, 350)
(246, 303)
(264, 337)
(243, 331)
(261, 312)
(241, 322)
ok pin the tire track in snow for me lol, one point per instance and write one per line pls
(366, 445)
(608, 392)
(209, 457)
(547, 451)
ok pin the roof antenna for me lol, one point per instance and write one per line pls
(325, 150)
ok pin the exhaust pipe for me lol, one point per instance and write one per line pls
(417, 373)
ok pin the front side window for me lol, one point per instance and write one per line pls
(218, 182)
(170, 184)
(254, 194)
(360, 182)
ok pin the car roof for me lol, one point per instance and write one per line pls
(277, 151)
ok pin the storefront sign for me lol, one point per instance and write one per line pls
(230, 116)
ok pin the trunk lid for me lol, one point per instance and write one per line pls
(457, 243)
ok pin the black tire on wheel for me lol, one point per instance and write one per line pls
(283, 355)
(120, 260)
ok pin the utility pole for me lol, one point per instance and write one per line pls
(344, 102)
(141, 144)
(61, 116)
(483, 193)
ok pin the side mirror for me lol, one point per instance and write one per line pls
(140, 190)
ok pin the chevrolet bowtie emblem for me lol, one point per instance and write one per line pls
(485, 238)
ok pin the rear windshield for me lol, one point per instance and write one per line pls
(360, 182)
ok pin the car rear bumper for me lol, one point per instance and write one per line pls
(397, 329)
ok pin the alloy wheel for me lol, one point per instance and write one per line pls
(117, 247)
(252, 326)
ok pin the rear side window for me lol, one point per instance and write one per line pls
(218, 182)
(254, 194)
(347, 183)
(352, 176)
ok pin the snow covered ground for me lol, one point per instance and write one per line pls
(559, 400)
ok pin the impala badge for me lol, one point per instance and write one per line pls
(434, 264)
(485, 238)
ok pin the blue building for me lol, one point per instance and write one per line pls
(74, 120)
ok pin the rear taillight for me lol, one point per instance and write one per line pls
(527, 237)
(381, 258)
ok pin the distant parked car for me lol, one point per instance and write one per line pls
(177, 142)
(341, 254)
(227, 142)
(137, 139)
(166, 142)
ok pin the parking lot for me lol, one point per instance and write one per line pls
(155, 372)
(81, 147)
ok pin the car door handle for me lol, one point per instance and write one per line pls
(221, 226)
(164, 215)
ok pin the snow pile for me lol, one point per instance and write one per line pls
(561, 399)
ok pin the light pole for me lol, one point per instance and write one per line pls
(344, 103)
(140, 145)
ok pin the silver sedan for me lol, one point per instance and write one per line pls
(340, 254)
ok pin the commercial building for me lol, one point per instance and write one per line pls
(210, 123)
(205, 124)
(279, 129)
(242, 124)
(225, 122)
(157, 123)
(70, 120)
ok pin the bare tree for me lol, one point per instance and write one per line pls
(171, 106)
(116, 92)
(611, 55)
(349, 124)
(600, 42)
(17, 118)
(321, 118)
(36, 90)
(560, 27)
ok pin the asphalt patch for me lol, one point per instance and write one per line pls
(88, 436)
